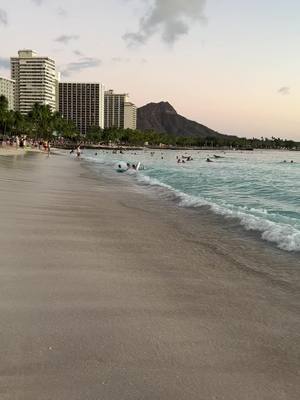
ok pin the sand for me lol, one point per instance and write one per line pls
(15, 151)
(11, 150)
(110, 293)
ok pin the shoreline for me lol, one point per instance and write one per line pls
(226, 228)
(108, 293)
(11, 151)
(171, 148)
(267, 231)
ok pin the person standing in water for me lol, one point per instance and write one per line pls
(78, 151)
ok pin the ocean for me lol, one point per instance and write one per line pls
(256, 188)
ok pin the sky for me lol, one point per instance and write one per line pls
(233, 65)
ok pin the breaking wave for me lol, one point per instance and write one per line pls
(283, 235)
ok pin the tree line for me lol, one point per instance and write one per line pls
(42, 123)
(39, 123)
(139, 138)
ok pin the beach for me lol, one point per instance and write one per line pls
(11, 151)
(108, 292)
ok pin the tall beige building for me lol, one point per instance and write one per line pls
(130, 115)
(36, 81)
(7, 90)
(118, 111)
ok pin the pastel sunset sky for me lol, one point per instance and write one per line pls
(233, 65)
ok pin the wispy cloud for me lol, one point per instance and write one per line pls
(78, 53)
(38, 2)
(120, 60)
(82, 64)
(4, 63)
(170, 18)
(284, 90)
(62, 12)
(3, 17)
(66, 39)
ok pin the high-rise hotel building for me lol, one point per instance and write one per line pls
(7, 90)
(130, 115)
(82, 103)
(35, 81)
(119, 112)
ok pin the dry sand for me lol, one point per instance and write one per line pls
(110, 294)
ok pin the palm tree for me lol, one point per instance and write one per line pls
(41, 117)
(3, 113)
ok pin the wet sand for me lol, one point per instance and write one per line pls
(11, 151)
(107, 293)
(15, 151)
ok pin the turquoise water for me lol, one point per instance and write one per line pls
(256, 187)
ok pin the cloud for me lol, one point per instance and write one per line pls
(4, 63)
(284, 90)
(120, 60)
(65, 39)
(3, 17)
(171, 18)
(62, 12)
(38, 2)
(83, 63)
(78, 53)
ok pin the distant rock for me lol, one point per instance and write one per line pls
(163, 118)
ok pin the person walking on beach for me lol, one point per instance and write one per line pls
(78, 151)
(48, 149)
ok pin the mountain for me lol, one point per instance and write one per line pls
(163, 118)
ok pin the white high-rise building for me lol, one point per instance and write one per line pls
(36, 81)
(7, 90)
(130, 116)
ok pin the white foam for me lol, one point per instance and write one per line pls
(285, 236)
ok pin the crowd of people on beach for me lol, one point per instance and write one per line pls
(22, 142)
(15, 141)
